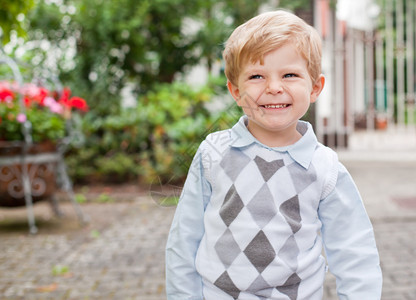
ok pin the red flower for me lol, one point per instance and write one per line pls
(27, 101)
(73, 102)
(5, 95)
(78, 103)
(64, 99)
(40, 97)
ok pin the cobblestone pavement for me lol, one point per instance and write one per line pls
(120, 254)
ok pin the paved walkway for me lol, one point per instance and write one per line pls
(120, 254)
(387, 185)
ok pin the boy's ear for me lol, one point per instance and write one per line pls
(317, 88)
(234, 91)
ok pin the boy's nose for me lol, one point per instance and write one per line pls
(274, 87)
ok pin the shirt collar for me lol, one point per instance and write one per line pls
(302, 151)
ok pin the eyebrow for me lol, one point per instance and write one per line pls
(252, 69)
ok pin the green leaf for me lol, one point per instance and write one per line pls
(59, 270)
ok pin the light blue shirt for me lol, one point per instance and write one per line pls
(346, 230)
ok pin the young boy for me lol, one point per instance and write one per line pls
(261, 198)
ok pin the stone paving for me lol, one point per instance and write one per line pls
(118, 258)
(120, 254)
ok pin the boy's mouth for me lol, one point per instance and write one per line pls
(275, 105)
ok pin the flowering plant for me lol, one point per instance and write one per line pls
(46, 110)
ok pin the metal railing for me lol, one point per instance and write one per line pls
(370, 72)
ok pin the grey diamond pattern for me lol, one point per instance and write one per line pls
(291, 211)
(290, 287)
(289, 252)
(268, 169)
(225, 283)
(231, 207)
(261, 285)
(261, 207)
(233, 162)
(260, 252)
(308, 176)
(227, 248)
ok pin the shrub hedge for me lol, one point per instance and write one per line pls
(155, 139)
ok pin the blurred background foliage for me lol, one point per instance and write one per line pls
(11, 17)
(108, 51)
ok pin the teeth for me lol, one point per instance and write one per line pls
(276, 106)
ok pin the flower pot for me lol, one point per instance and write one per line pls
(381, 122)
(41, 160)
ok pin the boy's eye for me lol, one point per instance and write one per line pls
(257, 76)
(290, 75)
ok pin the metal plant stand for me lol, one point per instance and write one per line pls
(26, 174)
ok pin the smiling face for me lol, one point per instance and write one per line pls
(275, 95)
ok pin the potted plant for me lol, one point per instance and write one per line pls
(45, 113)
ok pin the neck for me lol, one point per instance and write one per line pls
(273, 139)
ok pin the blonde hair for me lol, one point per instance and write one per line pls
(266, 32)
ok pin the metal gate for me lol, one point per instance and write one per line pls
(369, 63)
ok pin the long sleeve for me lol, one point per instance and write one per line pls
(182, 280)
(349, 242)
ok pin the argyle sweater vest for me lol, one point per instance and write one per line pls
(261, 236)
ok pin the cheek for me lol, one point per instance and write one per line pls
(248, 97)
(246, 100)
(255, 92)
(298, 91)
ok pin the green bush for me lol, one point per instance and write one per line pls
(156, 139)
